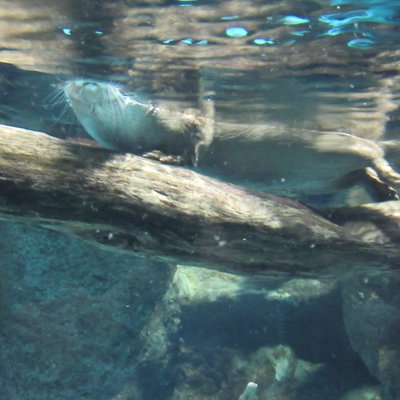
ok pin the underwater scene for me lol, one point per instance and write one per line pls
(199, 200)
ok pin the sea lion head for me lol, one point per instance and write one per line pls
(112, 118)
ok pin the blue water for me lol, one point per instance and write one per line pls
(82, 323)
(362, 23)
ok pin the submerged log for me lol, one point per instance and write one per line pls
(371, 223)
(125, 202)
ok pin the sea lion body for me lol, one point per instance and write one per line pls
(123, 123)
(272, 158)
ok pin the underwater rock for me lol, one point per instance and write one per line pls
(365, 393)
(72, 316)
(284, 362)
(80, 322)
(250, 393)
(215, 332)
(371, 306)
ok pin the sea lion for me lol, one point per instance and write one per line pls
(298, 163)
(124, 123)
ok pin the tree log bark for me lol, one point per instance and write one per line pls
(371, 223)
(126, 202)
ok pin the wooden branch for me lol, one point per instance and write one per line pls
(371, 223)
(126, 202)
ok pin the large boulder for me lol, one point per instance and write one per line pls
(371, 304)
(71, 315)
(214, 332)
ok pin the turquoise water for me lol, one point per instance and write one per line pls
(320, 80)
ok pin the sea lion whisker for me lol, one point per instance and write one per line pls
(63, 114)
(55, 97)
